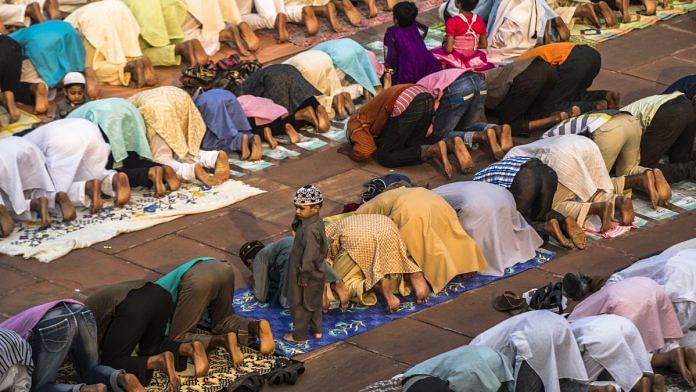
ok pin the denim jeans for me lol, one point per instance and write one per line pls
(461, 105)
(68, 328)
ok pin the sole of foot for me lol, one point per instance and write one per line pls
(420, 286)
(352, 13)
(249, 36)
(171, 178)
(607, 14)
(204, 177)
(310, 20)
(624, 208)
(156, 175)
(130, 383)
(167, 365)
(222, 167)
(348, 103)
(246, 151)
(664, 191)
(492, 140)
(289, 338)
(292, 134)
(461, 152)
(67, 209)
(41, 98)
(233, 348)
(553, 228)
(505, 137)
(439, 153)
(323, 123)
(122, 189)
(93, 192)
(256, 149)
(575, 233)
(266, 341)
(281, 28)
(270, 139)
(6, 222)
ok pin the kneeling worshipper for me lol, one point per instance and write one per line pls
(433, 236)
(318, 69)
(669, 128)
(122, 126)
(203, 288)
(541, 349)
(26, 186)
(268, 119)
(284, 85)
(132, 318)
(162, 37)
(110, 37)
(570, 10)
(16, 365)
(649, 307)
(76, 156)
(584, 186)
(613, 350)
(687, 85)
(532, 185)
(13, 90)
(65, 327)
(269, 271)
(368, 253)
(464, 369)
(175, 131)
(488, 214)
(353, 60)
(227, 126)
(392, 129)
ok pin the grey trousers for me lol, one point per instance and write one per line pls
(305, 320)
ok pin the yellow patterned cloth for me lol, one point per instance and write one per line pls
(373, 243)
(170, 113)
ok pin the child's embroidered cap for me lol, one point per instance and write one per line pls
(308, 195)
(73, 78)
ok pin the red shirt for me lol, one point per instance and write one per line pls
(456, 26)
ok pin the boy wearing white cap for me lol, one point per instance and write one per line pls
(73, 94)
(305, 284)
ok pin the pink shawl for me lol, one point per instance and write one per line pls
(262, 110)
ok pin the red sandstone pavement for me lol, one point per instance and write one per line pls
(639, 64)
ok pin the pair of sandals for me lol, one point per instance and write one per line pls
(578, 286)
(286, 372)
(548, 297)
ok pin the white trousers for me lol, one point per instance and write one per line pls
(266, 12)
(77, 195)
(192, 30)
(163, 154)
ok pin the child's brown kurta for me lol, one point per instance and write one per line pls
(307, 265)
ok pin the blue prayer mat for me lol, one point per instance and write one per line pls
(339, 325)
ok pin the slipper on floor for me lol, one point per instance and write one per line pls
(574, 286)
(508, 301)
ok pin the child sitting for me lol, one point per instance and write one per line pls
(406, 55)
(465, 35)
(306, 269)
(73, 94)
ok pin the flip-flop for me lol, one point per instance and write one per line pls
(508, 301)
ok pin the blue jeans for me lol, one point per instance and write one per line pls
(68, 328)
(461, 105)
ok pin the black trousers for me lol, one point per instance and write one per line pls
(297, 123)
(671, 132)
(400, 142)
(524, 101)
(528, 381)
(11, 70)
(533, 189)
(277, 127)
(135, 167)
(575, 76)
(139, 320)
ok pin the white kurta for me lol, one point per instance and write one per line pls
(576, 160)
(489, 215)
(614, 343)
(23, 175)
(75, 153)
(14, 13)
(518, 24)
(318, 69)
(541, 338)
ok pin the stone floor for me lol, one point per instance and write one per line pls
(639, 64)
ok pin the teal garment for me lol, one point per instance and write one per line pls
(467, 368)
(54, 47)
(172, 280)
(121, 122)
(351, 58)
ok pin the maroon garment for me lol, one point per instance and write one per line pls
(405, 52)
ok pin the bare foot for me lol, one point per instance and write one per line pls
(372, 7)
(292, 133)
(352, 13)
(605, 211)
(196, 351)
(231, 34)
(222, 167)
(6, 222)
(504, 133)
(93, 388)
(603, 388)
(52, 7)
(607, 14)
(420, 286)
(466, 163)
(553, 229)
(244, 154)
(40, 91)
(121, 188)
(307, 114)
(156, 175)
(165, 362)
(33, 11)
(664, 191)
(323, 123)
(93, 192)
(659, 384)
(348, 103)
(233, 348)
(665, 4)
(129, 383)
(289, 338)
(613, 97)
(492, 141)
(391, 4)
(249, 36)
(332, 16)
(137, 70)
(562, 29)
(317, 335)
(575, 232)
(310, 20)
(270, 139)
(256, 149)
(339, 107)
(266, 341)
(67, 209)
(342, 292)
(438, 151)
(171, 178)
(384, 288)
(204, 177)
(644, 182)
(587, 12)
(40, 206)
(92, 84)
(650, 7)
(624, 210)
(601, 105)
(690, 357)
(281, 26)
(675, 360)
(387, 80)
(625, 15)
(192, 51)
(643, 385)
(11, 104)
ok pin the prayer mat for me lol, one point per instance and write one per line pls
(340, 325)
(143, 211)
(26, 121)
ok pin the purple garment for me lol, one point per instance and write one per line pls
(24, 322)
(225, 120)
(407, 55)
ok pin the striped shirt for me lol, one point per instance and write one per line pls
(584, 123)
(14, 351)
(502, 173)
(406, 97)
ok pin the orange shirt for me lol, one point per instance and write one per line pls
(556, 53)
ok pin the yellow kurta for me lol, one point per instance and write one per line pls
(432, 233)
(354, 279)
(318, 68)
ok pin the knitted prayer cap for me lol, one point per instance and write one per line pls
(308, 195)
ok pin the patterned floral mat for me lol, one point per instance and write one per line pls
(339, 325)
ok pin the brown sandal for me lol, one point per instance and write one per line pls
(509, 301)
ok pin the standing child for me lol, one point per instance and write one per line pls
(306, 269)
(406, 55)
(73, 94)
(465, 35)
